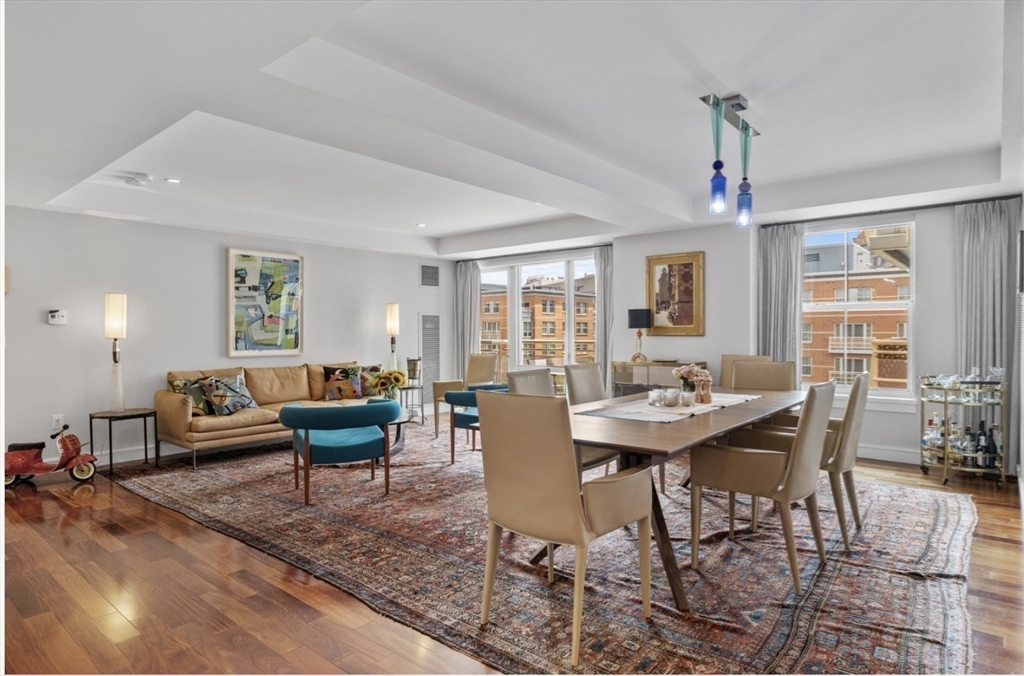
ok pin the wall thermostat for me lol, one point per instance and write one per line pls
(57, 316)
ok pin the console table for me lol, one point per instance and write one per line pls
(128, 414)
(631, 377)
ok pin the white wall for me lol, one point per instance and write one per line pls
(891, 428)
(176, 281)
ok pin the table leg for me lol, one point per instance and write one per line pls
(145, 441)
(92, 445)
(156, 440)
(110, 443)
(668, 556)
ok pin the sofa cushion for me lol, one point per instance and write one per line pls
(368, 380)
(227, 395)
(275, 384)
(342, 383)
(194, 390)
(247, 417)
(315, 375)
(193, 375)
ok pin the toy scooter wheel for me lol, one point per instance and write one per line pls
(83, 472)
(11, 479)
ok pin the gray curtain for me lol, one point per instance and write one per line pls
(604, 311)
(780, 270)
(467, 313)
(986, 302)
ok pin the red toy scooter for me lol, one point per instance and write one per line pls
(24, 461)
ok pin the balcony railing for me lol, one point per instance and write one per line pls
(841, 344)
(491, 335)
(843, 377)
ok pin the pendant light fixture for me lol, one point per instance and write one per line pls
(744, 200)
(719, 202)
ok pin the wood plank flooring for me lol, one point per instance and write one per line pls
(99, 580)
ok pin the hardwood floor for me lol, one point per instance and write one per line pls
(99, 580)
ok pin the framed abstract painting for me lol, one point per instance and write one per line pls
(264, 303)
(675, 294)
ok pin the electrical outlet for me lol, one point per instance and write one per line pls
(58, 420)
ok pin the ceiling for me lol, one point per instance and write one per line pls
(504, 126)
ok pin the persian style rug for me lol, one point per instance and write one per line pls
(895, 604)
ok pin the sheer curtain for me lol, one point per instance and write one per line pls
(604, 311)
(780, 269)
(986, 302)
(467, 313)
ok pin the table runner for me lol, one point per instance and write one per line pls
(641, 410)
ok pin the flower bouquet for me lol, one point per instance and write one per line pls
(388, 383)
(687, 375)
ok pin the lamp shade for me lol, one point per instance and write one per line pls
(115, 323)
(392, 320)
(640, 319)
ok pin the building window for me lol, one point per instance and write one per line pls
(548, 349)
(527, 329)
(805, 333)
(547, 328)
(581, 328)
(581, 347)
(491, 307)
(548, 307)
(491, 326)
(853, 277)
(808, 295)
(806, 367)
(581, 309)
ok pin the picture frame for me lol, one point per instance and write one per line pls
(265, 303)
(675, 294)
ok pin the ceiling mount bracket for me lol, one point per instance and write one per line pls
(733, 106)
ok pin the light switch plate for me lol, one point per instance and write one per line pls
(57, 317)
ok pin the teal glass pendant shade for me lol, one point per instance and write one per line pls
(719, 201)
(744, 206)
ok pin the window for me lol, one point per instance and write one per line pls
(548, 307)
(547, 328)
(861, 278)
(491, 307)
(563, 307)
(548, 350)
(581, 309)
(527, 329)
(582, 347)
(491, 327)
(581, 328)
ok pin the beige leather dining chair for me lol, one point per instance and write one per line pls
(729, 360)
(839, 454)
(480, 370)
(584, 384)
(533, 489)
(764, 375)
(535, 381)
(538, 382)
(783, 468)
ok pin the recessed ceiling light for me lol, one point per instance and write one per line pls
(173, 180)
(421, 225)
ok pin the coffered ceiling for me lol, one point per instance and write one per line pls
(502, 125)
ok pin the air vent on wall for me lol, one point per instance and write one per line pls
(430, 275)
(430, 350)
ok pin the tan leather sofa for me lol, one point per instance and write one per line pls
(271, 388)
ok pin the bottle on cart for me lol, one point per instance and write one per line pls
(982, 443)
(993, 448)
(928, 441)
(970, 445)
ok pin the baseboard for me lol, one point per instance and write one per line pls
(907, 456)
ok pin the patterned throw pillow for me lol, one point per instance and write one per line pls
(368, 380)
(194, 389)
(342, 382)
(227, 395)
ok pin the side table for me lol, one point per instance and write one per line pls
(407, 399)
(128, 414)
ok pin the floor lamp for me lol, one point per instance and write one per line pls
(392, 329)
(115, 327)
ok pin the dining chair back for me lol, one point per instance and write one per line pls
(729, 360)
(534, 381)
(844, 455)
(584, 383)
(480, 369)
(805, 458)
(764, 375)
(533, 489)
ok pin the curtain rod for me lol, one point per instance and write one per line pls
(542, 251)
(892, 211)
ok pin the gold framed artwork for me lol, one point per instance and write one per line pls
(264, 303)
(675, 294)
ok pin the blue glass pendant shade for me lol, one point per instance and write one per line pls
(744, 206)
(719, 201)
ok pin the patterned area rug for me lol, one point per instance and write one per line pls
(895, 604)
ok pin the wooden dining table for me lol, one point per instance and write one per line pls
(654, 443)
